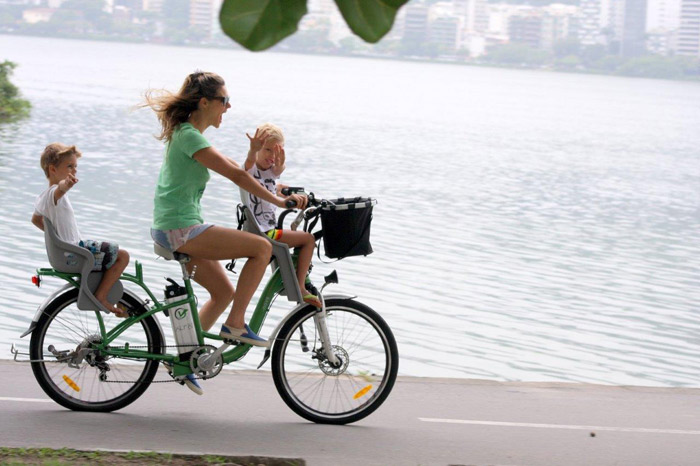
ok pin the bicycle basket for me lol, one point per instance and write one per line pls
(346, 227)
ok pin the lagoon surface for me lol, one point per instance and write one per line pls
(531, 226)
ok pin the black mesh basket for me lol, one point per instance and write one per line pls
(346, 227)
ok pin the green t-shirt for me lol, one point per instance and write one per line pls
(181, 181)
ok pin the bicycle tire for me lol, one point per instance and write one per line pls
(73, 326)
(365, 345)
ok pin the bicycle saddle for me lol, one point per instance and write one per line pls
(169, 255)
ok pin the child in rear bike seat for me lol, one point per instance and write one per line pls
(265, 162)
(60, 165)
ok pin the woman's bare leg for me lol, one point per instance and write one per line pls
(219, 243)
(212, 276)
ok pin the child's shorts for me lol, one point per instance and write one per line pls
(105, 253)
(274, 234)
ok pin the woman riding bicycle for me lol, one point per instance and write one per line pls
(177, 219)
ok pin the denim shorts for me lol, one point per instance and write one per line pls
(172, 240)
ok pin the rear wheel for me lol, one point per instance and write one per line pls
(368, 361)
(74, 373)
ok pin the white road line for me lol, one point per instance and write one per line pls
(27, 400)
(562, 426)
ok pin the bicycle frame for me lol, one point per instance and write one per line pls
(181, 366)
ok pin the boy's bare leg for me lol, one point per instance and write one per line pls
(219, 243)
(110, 277)
(306, 242)
(212, 276)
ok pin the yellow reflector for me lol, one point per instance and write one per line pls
(71, 384)
(362, 392)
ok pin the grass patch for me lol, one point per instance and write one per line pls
(70, 457)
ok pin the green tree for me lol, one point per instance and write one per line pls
(652, 67)
(12, 107)
(259, 25)
(566, 47)
(569, 62)
(517, 54)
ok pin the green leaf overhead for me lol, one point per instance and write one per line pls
(370, 19)
(260, 24)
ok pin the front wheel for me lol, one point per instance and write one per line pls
(348, 391)
(72, 370)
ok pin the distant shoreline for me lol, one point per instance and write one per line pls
(281, 49)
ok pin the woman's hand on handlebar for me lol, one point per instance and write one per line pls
(299, 201)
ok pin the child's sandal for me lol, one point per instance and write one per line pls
(313, 300)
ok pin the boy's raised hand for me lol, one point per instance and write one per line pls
(278, 152)
(67, 183)
(257, 141)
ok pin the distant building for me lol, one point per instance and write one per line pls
(415, 28)
(445, 32)
(661, 42)
(37, 15)
(133, 5)
(21, 2)
(689, 29)
(155, 6)
(475, 14)
(663, 15)
(593, 19)
(204, 16)
(633, 34)
(526, 28)
(663, 20)
(542, 27)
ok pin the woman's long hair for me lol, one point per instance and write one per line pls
(174, 109)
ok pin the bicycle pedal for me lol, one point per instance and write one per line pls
(232, 342)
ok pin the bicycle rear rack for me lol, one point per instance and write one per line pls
(61, 356)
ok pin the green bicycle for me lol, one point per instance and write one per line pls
(335, 365)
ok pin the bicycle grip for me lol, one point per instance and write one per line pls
(290, 204)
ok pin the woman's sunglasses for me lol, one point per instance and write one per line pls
(224, 100)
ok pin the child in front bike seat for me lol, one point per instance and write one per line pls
(60, 165)
(266, 162)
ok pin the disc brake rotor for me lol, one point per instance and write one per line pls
(343, 358)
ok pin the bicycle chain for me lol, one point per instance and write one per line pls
(153, 381)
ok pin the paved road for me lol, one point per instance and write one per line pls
(424, 422)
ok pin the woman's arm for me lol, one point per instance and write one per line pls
(215, 160)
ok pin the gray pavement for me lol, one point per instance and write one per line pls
(424, 422)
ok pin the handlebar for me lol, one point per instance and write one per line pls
(305, 214)
(292, 190)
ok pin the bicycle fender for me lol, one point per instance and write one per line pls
(43, 305)
(64, 289)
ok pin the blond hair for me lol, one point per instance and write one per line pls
(54, 154)
(274, 133)
(174, 109)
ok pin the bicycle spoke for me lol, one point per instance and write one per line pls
(319, 390)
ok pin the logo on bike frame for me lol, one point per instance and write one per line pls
(180, 314)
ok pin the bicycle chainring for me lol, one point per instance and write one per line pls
(205, 362)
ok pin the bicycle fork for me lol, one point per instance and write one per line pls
(322, 324)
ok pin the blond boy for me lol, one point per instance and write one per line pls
(266, 162)
(60, 165)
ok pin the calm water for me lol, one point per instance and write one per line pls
(531, 226)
